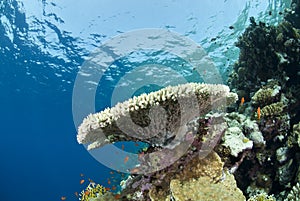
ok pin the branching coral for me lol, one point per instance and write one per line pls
(294, 194)
(274, 109)
(265, 96)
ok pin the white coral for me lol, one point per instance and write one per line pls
(89, 130)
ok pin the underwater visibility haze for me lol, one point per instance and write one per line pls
(63, 60)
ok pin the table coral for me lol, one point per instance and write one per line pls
(142, 117)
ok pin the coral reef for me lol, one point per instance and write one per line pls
(269, 52)
(256, 150)
(267, 73)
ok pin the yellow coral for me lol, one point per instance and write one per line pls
(203, 189)
(201, 179)
(92, 191)
(265, 96)
(262, 197)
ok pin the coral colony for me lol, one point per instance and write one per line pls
(251, 151)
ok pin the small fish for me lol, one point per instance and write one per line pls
(141, 155)
(136, 144)
(111, 172)
(118, 196)
(113, 188)
(134, 170)
(81, 175)
(126, 159)
(81, 181)
(91, 181)
(258, 113)
(108, 181)
(123, 146)
(107, 189)
(76, 194)
(242, 101)
(63, 198)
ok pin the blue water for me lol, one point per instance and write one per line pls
(42, 46)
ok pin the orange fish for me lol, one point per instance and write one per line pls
(63, 198)
(118, 196)
(76, 194)
(108, 181)
(81, 181)
(108, 189)
(134, 170)
(258, 113)
(141, 155)
(126, 159)
(136, 144)
(113, 188)
(242, 101)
